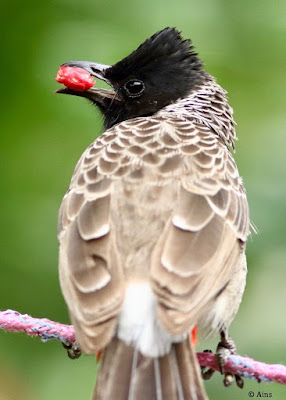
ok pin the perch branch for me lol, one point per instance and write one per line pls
(12, 321)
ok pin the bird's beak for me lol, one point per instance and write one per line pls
(98, 71)
(94, 69)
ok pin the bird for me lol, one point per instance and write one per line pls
(153, 228)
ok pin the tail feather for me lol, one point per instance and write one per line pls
(189, 372)
(114, 373)
(125, 374)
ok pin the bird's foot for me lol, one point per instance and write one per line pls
(207, 374)
(225, 348)
(72, 349)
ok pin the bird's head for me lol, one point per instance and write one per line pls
(163, 69)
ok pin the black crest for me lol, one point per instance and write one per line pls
(166, 67)
(163, 53)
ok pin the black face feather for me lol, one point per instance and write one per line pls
(163, 69)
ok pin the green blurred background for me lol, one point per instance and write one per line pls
(43, 135)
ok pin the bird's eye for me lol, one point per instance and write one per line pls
(134, 88)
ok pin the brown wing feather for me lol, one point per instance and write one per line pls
(199, 230)
(91, 275)
(199, 248)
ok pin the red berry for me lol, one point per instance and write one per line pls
(75, 78)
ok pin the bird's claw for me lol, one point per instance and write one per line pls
(225, 348)
(73, 350)
(207, 374)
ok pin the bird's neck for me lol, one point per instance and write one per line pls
(208, 106)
